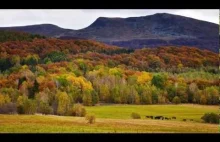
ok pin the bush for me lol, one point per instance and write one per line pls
(90, 118)
(135, 115)
(176, 100)
(211, 118)
(78, 110)
(44, 108)
(9, 108)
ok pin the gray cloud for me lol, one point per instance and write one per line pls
(77, 19)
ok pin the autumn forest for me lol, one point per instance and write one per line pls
(49, 75)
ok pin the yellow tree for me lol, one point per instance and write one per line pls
(144, 78)
(4, 99)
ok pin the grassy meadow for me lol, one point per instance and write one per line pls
(115, 119)
(189, 111)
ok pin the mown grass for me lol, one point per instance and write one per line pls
(122, 122)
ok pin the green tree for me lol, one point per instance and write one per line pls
(95, 97)
(15, 60)
(26, 106)
(5, 64)
(176, 100)
(192, 90)
(212, 95)
(63, 103)
(44, 108)
(104, 93)
(83, 67)
(55, 56)
(31, 60)
(203, 100)
(87, 98)
(159, 81)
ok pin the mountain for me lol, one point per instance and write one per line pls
(160, 29)
(42, 29)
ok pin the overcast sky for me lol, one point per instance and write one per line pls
(78, 19)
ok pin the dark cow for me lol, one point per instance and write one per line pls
(173, 117)
(147, 116)
(158, 117)
(184, 119)
(151, 117)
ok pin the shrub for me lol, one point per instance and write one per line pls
(176, 100)
(78, 110)
(9, 108)
(44, 108)
(135, 115)
(210, 118)
(90, 118)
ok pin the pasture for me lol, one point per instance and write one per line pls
(115, 119)
(182, 111)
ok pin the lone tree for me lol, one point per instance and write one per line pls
(176, 100)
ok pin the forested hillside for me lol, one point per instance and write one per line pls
(50, 75)
(17, 36)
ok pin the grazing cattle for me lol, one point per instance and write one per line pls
(158, 117)
(173, 117)
(166, 118)
(191, 119)
(150, 117)
(184, 119)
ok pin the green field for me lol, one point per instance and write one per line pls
(115, 119)
(188, 111)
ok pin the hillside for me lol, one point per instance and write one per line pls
(51, 76)
(137, 32)
(6, 36)
(42, 29)
(142, 59)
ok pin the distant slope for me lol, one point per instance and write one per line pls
(137, 32)
(42, 29)
(6, 36)
(146, 58)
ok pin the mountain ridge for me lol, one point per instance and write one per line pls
(138, 32)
